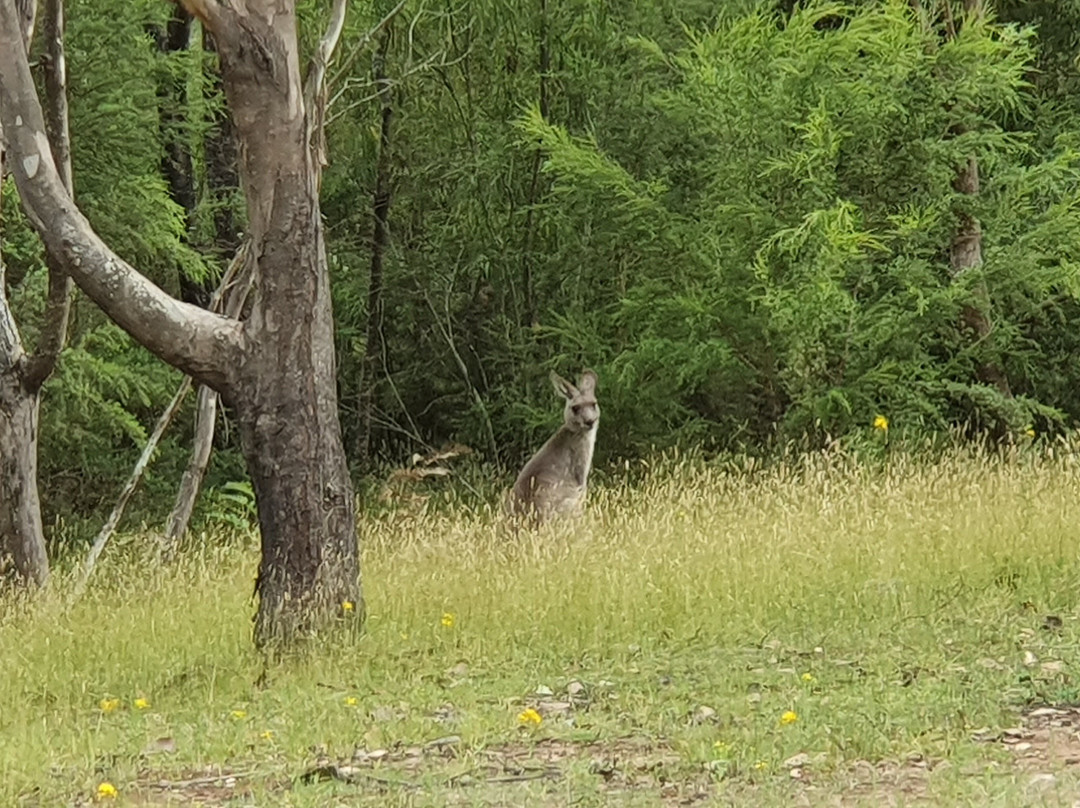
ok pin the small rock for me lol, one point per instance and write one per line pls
(460, 670)
(543, 690)
(448, 740)
(796, 773)
(703, 715)
(383, 715)
(1045, 712)
(1055, 666)
(162, 746)
(797, 761)
(554, 707)
(1030, 660)
(1020, 747)
(1041, 782)
(575, 688)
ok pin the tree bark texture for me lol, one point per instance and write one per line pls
(22, 537)
(277, 367)
(965, 252)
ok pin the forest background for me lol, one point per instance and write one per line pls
(755, 221)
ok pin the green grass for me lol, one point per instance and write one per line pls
(889, 608)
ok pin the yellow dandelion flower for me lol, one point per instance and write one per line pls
(761, 765)
(267, 734)
(106, 791)
(530, 716)
(808, 677)
(721, 748)
(141, 704)
(881, 422)
(109, 705)
(350, 701)
(789, 717)
(238, 714)
(348, 606)
(447, 620)
(1030, 432)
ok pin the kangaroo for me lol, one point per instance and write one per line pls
(554, 480)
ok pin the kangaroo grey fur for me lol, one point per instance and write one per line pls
(554, 481)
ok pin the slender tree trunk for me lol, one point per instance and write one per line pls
(202, 444)
(527, 283)
(375, 345)
(965, 252)
(22, 537)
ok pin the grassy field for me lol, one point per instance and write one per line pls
(812, 633)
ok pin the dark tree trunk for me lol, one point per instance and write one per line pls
(286, 393)
(527, 282)
(375, 344)
(222, 179)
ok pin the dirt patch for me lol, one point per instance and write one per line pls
(1043, 753)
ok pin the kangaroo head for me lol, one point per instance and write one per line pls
(581, 412)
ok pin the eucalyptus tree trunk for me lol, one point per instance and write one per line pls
(22, 538)
(275, 368)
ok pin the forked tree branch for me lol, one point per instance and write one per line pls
(204, 345)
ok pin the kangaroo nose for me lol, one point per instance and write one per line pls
(589, 423)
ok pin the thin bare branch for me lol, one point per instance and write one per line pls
(362, 43)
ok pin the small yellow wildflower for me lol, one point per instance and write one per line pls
(1030, 432)
(881, 422)
(267, 734)
(789, 717)
(108, 705)
(404, 636)
(447, 620)
(238, 714)
(348, 606)
(141, 704)
(530, 716)
(761, 764)
(808, 677)
(106, 791)
(721, 748)
(350, 701)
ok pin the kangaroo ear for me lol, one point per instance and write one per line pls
(562, 386)
(587, 384)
